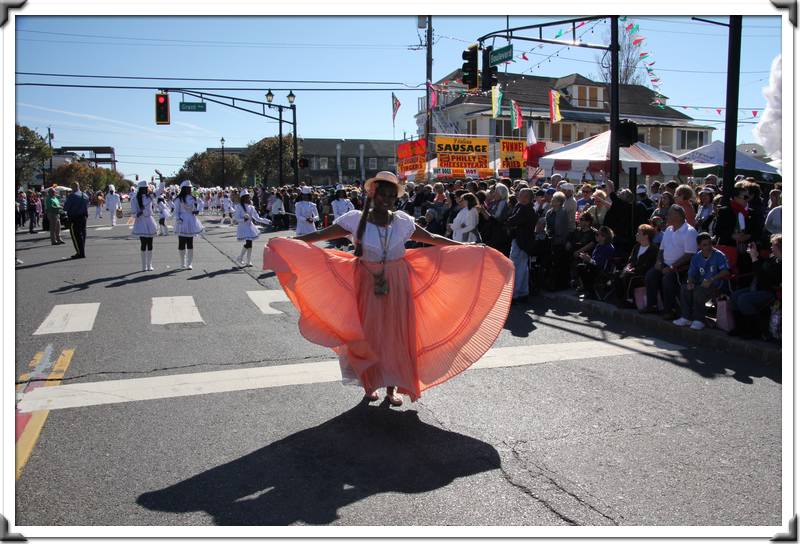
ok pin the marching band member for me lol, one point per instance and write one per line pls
(306, 213)
(144, 226)
(187, 225)
(227, 208)
(113, 203)
(247, 217)
(164, 213)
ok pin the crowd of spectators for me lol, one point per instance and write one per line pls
(674, 248)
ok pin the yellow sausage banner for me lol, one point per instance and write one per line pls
(462, 152)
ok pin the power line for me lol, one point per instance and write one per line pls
(229, 80)
(693, 24)
(259, 89)
(138, 40)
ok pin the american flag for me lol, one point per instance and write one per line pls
(395, 106)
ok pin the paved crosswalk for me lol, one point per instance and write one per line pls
(68, 318)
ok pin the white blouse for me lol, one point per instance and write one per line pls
(400, 231)
(468, 218)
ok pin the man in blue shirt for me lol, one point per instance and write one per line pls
(707, 269)
(77, 208)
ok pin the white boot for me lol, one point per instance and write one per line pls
(189, 258)
(249, 256)
(240, 259)
(182, 253)
(144, 260)
(149, 259)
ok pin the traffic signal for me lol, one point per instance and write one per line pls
(162, 108)
(489, 73)
(469, 70)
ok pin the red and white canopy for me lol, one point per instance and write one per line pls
(592, 155)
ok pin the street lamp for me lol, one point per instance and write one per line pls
(222, 141)
(270, 96)
(290, 97)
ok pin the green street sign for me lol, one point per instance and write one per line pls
(501, 55)
(193, 106)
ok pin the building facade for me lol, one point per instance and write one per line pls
(584, 107)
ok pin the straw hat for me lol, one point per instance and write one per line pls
(384, 176)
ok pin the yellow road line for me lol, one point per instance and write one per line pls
(29, 437)
(36, 359)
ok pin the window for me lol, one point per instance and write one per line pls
(323, 163)
(390, 163)
(589, 97)
(561, 133)
(641, 135)
(472, 126)
(540, 130)
(373, 164)
(566, 133)
(351, 163)
(691, 139)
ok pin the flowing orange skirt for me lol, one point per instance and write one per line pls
(444, 310)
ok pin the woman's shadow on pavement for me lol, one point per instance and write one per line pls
(308, 476)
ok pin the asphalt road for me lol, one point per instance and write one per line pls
(682, 436)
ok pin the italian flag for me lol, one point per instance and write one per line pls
(516, 115)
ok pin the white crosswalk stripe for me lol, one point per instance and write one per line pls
(224, 381)
(166, 310)
(65, 318)
(264, 298)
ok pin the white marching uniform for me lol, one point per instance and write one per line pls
(144, 225)
(227, 205)
(164, 213)
(247, 217)
(305, 210)
(340, 207)
(186, 222)
(113, 201)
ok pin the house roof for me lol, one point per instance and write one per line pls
(350, 147)
(533, 92)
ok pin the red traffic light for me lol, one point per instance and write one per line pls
(161, 99)
(162, 109)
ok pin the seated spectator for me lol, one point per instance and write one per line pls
(600, 260)
(707, 269)
(586, 197)
(684, 197)
(660, 225)
(705, 212)
(735, 227)
(665, 201)
(642, 259)
(677, 249)
(749, 302)
(582, 240)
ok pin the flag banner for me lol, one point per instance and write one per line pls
(462, 152)
(497, 101)
(755, 112)
(395, 106)
(516, 115)
(524, 56)
(511, 153)
(555, 110)
(413, 148)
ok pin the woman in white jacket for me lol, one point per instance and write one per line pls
(247, 217)
(113, 203)
(465, 224)
(227, 209)
(144, 226)
(187, 225)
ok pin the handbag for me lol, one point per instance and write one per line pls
(725, 319)
(119, 213)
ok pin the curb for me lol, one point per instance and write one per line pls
(709, 338)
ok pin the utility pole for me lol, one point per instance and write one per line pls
(613, 173)
(280, 147)
(50, 144)
(429, 80)
(732, 103)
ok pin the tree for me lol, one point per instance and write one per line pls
(630, 71)
(31, 151)
(205, 169)
(261, 158)
(90, 178)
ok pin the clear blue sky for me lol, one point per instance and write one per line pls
(318, 48)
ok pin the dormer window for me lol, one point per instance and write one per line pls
(590, 97)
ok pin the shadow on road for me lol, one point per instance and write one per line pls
(44, 263)
(215, 273)
(140, 279)
(72, 287)
(310, 475)
(519, 323)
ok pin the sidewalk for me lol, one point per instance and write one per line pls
(709, 337)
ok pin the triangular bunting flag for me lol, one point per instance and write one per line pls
(719, 111)
(524, 56)
(755, 112)
(637, 41)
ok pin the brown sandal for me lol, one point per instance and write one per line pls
(372, 397)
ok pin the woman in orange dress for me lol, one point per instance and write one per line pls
(404, 320)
